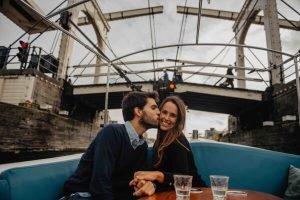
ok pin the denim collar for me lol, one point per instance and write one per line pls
(134, 138)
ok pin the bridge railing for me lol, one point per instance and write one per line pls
(185, 69)
(289, 69)
(34, 58)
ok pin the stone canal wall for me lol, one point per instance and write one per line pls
(283, 137)
(31, 130)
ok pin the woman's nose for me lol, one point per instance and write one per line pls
(167, 117)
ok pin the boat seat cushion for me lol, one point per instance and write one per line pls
(248, 167)
(4, 189)
(43, 181)
(293, 190)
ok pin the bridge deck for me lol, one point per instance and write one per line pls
(196, 96)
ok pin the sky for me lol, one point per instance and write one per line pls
(133, 34)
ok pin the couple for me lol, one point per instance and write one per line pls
(113, 167)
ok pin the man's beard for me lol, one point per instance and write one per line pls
(147, 123)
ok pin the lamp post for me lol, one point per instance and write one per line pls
(297, 85)
(106, 95)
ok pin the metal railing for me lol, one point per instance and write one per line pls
(35, 58)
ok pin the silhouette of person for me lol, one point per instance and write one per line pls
(166, 76)
(178, 76)
(228, 81)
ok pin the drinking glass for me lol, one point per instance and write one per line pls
(183, 185)
(219, 186)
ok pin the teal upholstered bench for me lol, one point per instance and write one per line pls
(248, 168)
(37, 181)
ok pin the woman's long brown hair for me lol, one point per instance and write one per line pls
(164, 139)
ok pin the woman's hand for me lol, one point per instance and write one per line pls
(144, 188)
(137, 184)
(149, 176)
(142, 182)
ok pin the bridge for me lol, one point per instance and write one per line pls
(196, 96)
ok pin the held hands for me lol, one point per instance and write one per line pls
(143, 182)
(142, 187)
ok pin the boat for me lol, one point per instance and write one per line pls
(248, 168)
(49, 118)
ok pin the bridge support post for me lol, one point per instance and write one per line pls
(240, 62)
(66, 45)
(241, 26)
(100, 25)
(271, 25)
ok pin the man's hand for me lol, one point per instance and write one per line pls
(144, 188)
(137, 184)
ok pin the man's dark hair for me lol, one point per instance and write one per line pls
(135, 99)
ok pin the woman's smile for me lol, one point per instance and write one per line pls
(168, 116)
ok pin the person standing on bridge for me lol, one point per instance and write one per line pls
(108, 165)
(229, 81)
(166, 77)
(172, 152)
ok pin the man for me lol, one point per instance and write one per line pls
(228, 81)
(108, 165)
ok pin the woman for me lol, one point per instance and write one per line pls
(172, 152)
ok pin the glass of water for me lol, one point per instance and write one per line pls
(183, 185)
(219, 186)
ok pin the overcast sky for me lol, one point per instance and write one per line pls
(133, 34)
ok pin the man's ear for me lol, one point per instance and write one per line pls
(137, 112)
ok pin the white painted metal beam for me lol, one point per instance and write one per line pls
(25, 18)
(202, 64)
(183, 71)
(228, 15)
(221, 75)
(34, 5)
(125, 14)
(119, 63)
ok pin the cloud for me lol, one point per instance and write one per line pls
(202, 121)
(290, 40)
